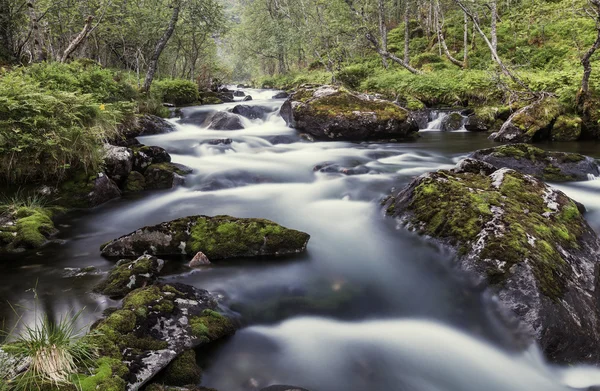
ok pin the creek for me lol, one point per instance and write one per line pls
(369, 306)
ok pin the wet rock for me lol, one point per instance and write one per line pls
(182, 371)
(566, 128)
(287, 112)
(75, 272)
(219, 237)
(230, 179)
(145, 156)
(525, 240)
(219, 141)
(87, 191)
(239, 94)
(130, 275)
(165, 176)
(485, 118)
(533, 122)
(134, 183)
(421, 117)
(196, 116)
(11, 365)
(26, 228)
(223, 120)
(454, 121)
(150, 124)
(252, 112)
(333, 113)
(247, 98)
(544, 165)
(281, 95)
(199, 260)
(283, 388)
(118, 162)
(329, 167)
(155, 326)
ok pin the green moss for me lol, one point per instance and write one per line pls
(566, 128)
(122, 321)
(169, 167)
(182, 371)
(143, 297)
(456, 207)
(106, 377)
(135, 182)
(555, 174)
(33, 226)
(538, 117)
(73, 192)
(211, 325)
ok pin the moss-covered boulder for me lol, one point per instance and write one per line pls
(87, 190)
(26, 228)
(145, 155)
(182, 371)
(545, 165)
(219, 237)
(532, 122)
(130, 275)
(334, 113)
(485, 118)
(165, 176)
(153, 327)
(135, 182)
(566, 128)
(528, 241)
(453, 121)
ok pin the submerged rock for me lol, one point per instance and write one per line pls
(533, 122)
(528, 241)
(154, 326)
(544, 165)
(333, 113)
(165, 176)
(130, 275)
(223, 120)
(219, 237)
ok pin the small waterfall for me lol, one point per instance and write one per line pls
(592, 177)
(436, 120)
(445, 121)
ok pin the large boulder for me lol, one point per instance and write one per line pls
(333, 113)
(545, 165)
(566, 128)
(223, 120)
(118, 162)
(130, 275)
(453, 121)
(252, 112)
(144, 156)
(153, 327)
(532, 122)
(526, 240)
(219, 237)
(165, 176)
(151, 124)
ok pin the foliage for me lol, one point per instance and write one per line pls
(177, 91)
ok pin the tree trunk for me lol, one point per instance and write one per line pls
(585, 60)
(38, 50)
(440, 34)
(7, 32)
(406, 33)
(466, 42)
(78, 39)
(494, 34)
(160, 46)
(382, 30)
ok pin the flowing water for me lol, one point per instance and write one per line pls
(370, 306)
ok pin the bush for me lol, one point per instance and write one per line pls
(353, 75)
(44, 132)
(176, 91)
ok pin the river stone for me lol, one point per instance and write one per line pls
(223, 120)
(150, 124)
(452, 122)
(334, 113)
(566, 128)
(118, 162)
(544, 165)
(165, 176)
(251, 112)
(239, 94)
(87, 191)
(247, 98)
(219, 237)
(526, 240)
(153, 327)
(530, 123)
(281, 95)
(144, 156)
(129, 275)
(199, 260)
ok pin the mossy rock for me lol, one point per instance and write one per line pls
(484, 119)
(182, 371)
(134, 183)
(86, 190)
(545, 165)
(219, 237)
(329, 112)
(530, 123)
(165, 176)
(527, 240)
(130, 275)
(153, 327)
(566, 128)
(32, 228)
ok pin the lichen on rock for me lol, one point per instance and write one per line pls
(218, 237)
(130, 275)
(525, 239)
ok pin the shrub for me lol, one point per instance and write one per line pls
(176, 91)
(353, 75)
(44, 132)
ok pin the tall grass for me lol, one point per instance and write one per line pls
(22, 199)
